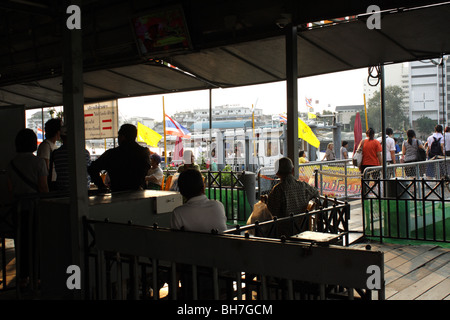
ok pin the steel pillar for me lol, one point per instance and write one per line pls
(292, 95)
(73, 99)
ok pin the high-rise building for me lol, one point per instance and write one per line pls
(427, 97)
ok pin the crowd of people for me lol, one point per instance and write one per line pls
(412, 149)
(130, 166)
(434, 146)
(39, 170)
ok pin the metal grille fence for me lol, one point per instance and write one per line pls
(331, 216)
(410, 204)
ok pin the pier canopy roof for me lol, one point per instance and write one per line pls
(227, 44)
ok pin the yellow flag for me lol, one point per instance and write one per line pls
(305, 133)
(311, 115)
(147, 135)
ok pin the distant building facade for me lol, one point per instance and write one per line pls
(427, 96)
(345, 113)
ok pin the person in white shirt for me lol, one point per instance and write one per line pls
(390, 146)
(439, 137)
(199, 213)
(447, 141)
(26, 175)
(155, 174)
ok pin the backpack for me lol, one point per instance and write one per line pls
(435, 149)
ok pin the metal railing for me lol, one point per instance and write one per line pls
(331, 216)
(133, 262)
(407, 207)
(337, 179)
(430, 169)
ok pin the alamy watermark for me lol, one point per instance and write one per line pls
(374, 280)
(74, 20)
(374, 21)
(74, 280)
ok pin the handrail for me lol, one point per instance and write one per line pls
(329, 219)
(402, 165)
(273, 262)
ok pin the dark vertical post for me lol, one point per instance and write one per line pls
(292, 95)
(383, 121)
(210, 130)
(444, 122)
(73, 99)
(312, 153)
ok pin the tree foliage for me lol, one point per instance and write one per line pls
(425, 125)
(395, 113)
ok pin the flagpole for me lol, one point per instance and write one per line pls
(164, 123)
(253, 126)
(365, 112)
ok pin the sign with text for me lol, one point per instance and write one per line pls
(101, 120)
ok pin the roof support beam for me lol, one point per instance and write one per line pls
(326, 51)
(118, 94)
(137, 80)
(276, 78)
(189, 73)
(27, 96)
(397, 44)
(27, 7)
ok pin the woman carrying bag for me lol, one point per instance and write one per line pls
(371, 151)
(413, 151)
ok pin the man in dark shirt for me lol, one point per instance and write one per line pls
(290, 195)
(126, 164)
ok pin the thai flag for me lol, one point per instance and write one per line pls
(309, 103)
(176, 129)
(179, 150)
(283, 118)
(40, 136)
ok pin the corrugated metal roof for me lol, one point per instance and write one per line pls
(254, 55)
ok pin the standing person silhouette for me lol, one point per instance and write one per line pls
(27, 177)
(52, 135)
(127, 165)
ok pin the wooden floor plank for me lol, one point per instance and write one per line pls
(395, 271)
(423, 285)
(409, 279)
(438, 292)
(402, 263)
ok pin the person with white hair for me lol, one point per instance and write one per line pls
(155, 175)
(188, 162)
(289, 195)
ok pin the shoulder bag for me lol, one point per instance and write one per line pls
(358, 156)
(421, 153)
